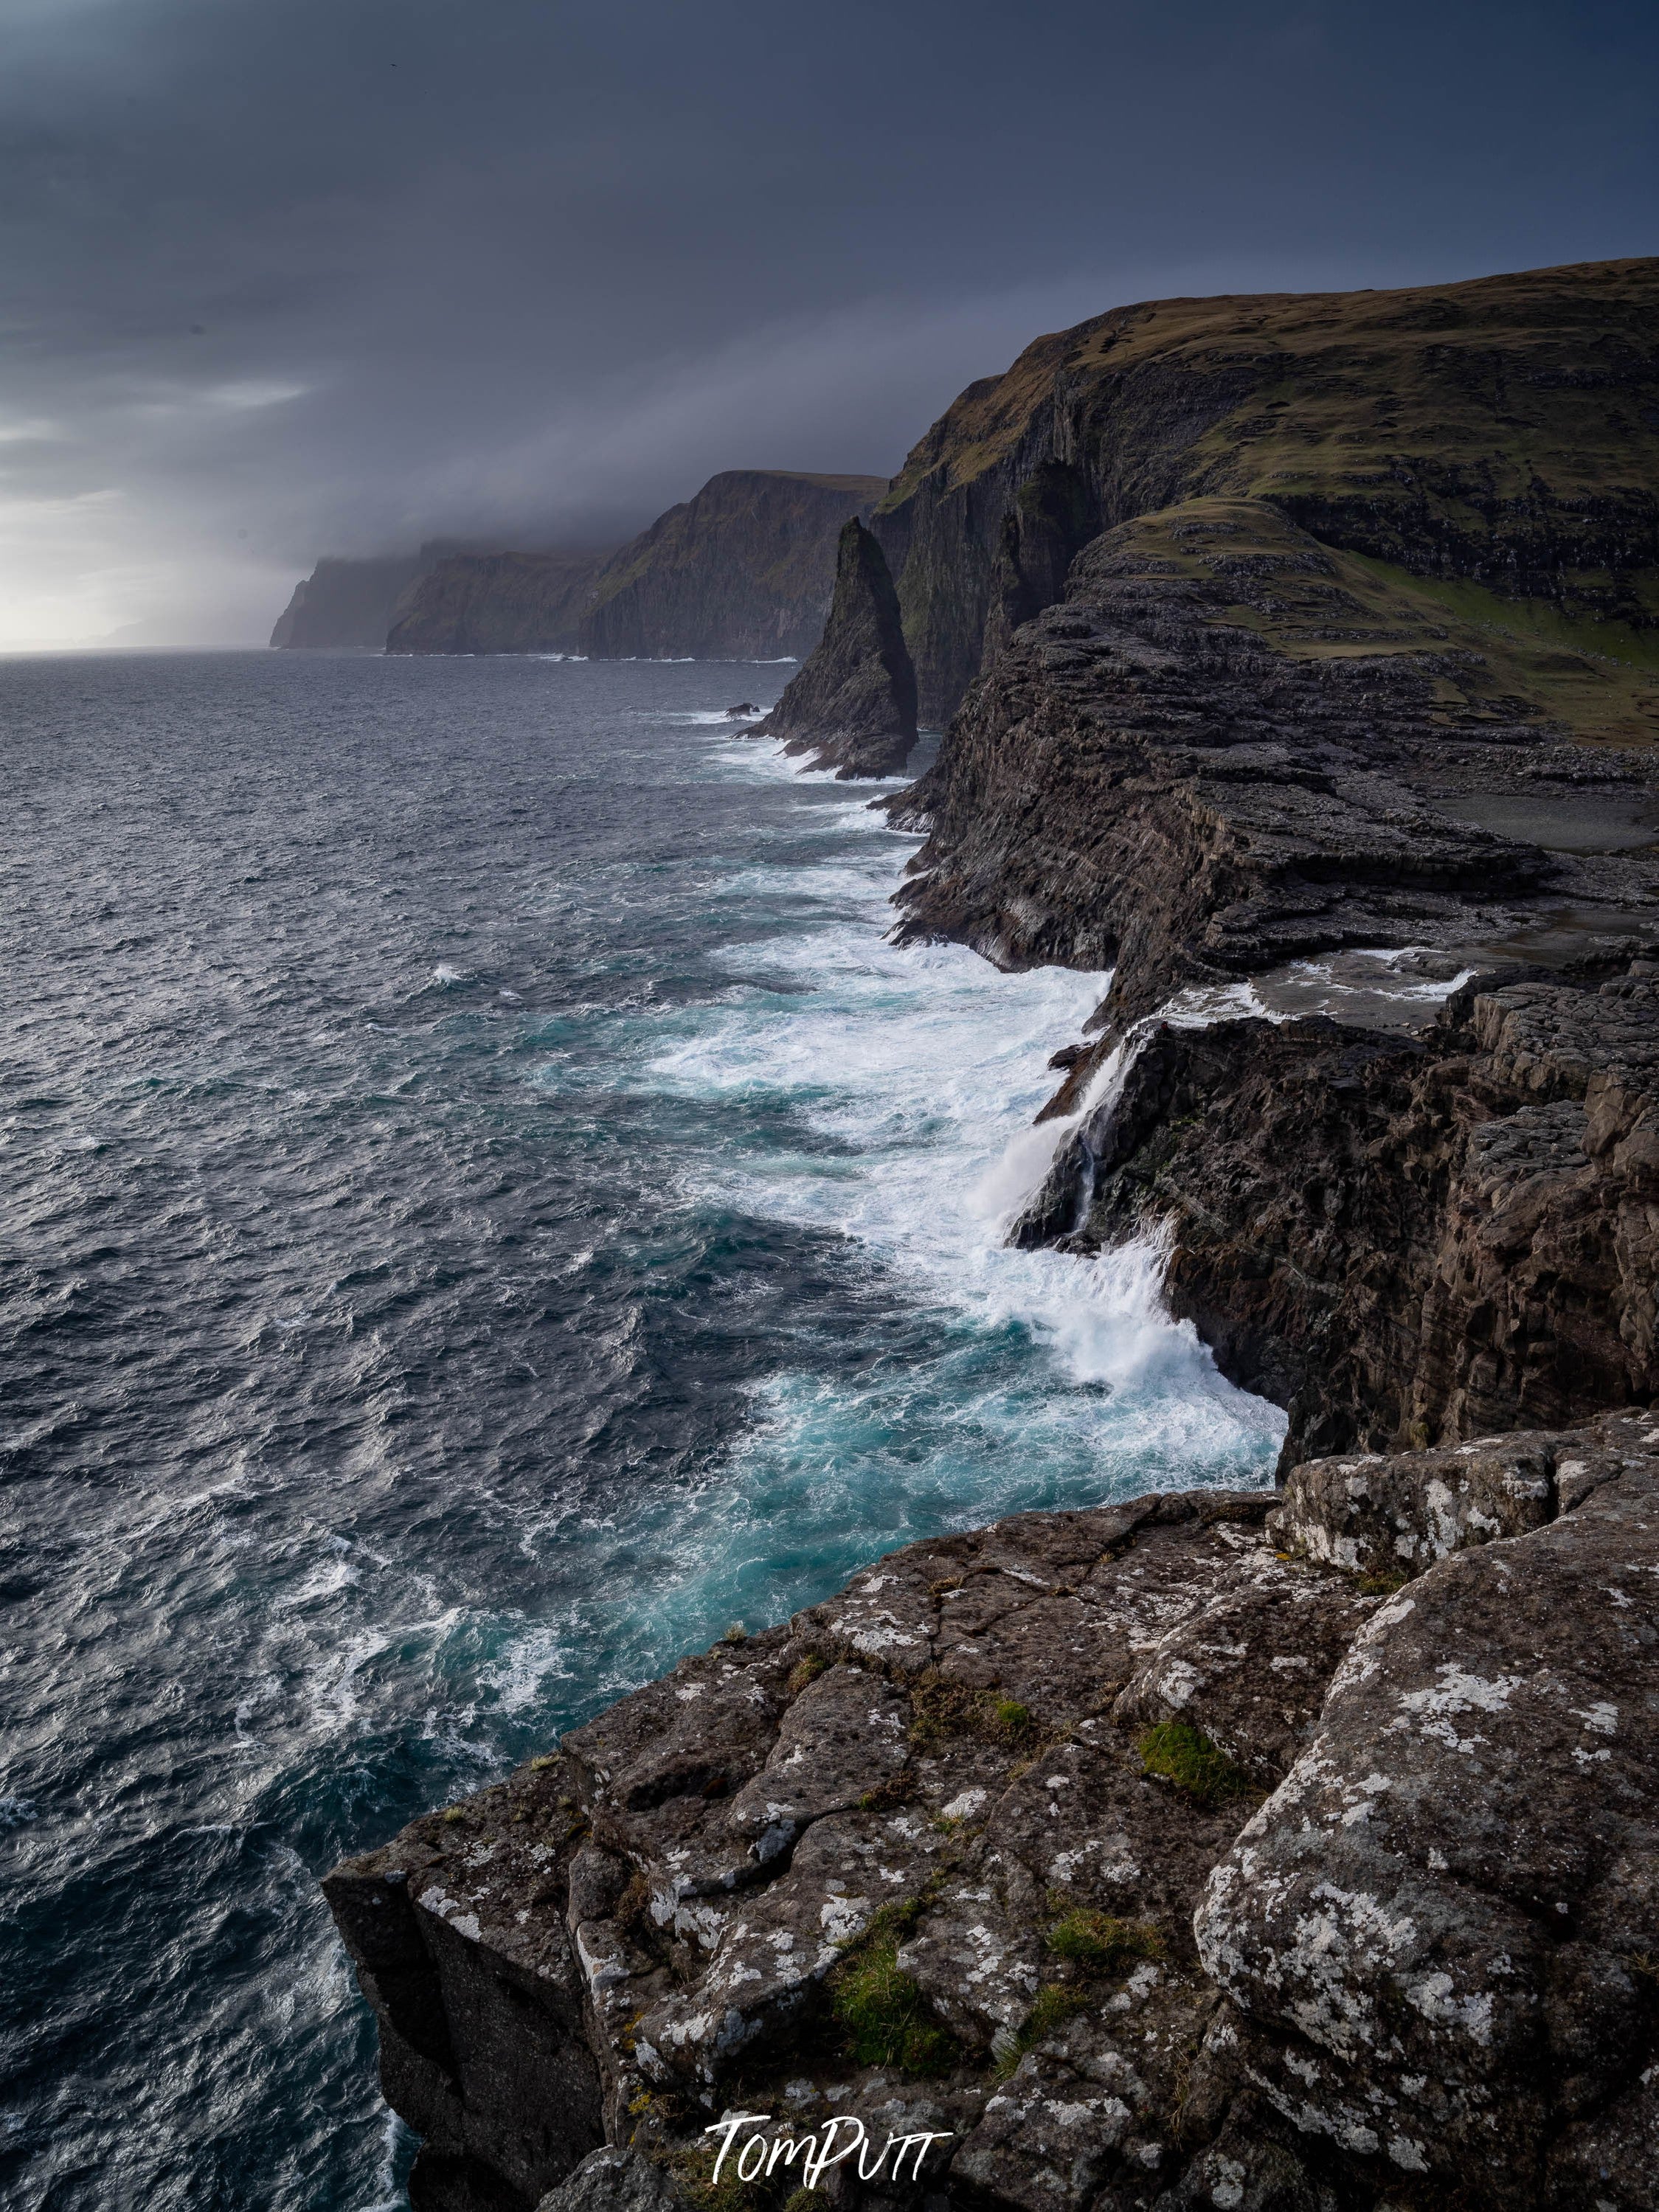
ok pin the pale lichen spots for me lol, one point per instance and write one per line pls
(1600, 1716)
(1407, 2154)
(1457, 1691)
(1433, 1997)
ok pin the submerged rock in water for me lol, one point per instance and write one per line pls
(929, 1858)
(853, 707)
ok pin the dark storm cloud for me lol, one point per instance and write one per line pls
(337, 273)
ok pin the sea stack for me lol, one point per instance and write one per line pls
(853, 707)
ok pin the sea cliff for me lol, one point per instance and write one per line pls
(743, 572)
(1287, 1851)
(496, 603)
(348, 604)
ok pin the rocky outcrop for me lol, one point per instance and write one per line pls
(1504, 431)
(853, 707)
(743, 572)
(982, 1850)
(496, 603)
(1437, 1937)
(1402, 1238)
(1227, 748)
(349, 604)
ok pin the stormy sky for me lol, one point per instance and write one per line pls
(284, 277)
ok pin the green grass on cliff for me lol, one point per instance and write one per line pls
(1321, 392)
(1501, 658)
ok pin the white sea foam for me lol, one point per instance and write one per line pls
(882, 1098)
(913, 1075)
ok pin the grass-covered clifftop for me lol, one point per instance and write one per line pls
(1502, 432)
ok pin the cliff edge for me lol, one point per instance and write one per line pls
(1211, 1849)
(1284, 1851)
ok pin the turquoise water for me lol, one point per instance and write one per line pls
(484, 1209)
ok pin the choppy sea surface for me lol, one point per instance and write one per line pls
(481, 1209)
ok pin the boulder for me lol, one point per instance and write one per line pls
(1441, 1928)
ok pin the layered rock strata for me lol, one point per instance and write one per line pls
(1227, 748)
(1296, 1847)
(853, 708)
(1504, 431)
(1401, 1238)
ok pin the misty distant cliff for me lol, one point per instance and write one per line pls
(496, 602)
(743, 572)
(352, 603)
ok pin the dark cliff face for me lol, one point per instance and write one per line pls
(1228, 746)
(743, 572)
(1504, 431)
(496, 602)
(1402, 1239)
(347, 603)
(853, 707)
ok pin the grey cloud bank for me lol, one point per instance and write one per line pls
(334, 278)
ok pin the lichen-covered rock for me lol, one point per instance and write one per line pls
(611, 2180)
(1383, 1513)
(853, 707)
(1250, 1671)
(1440, 1928)
(922, 1858)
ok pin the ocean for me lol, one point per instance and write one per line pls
(483, 1208)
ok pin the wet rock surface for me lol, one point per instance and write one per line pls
(853, 707)
(1402, 1239)
(983, 1849)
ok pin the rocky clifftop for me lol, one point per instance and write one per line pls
(1228, 746)
(853, 708)
(1504, 431)
(743, 572)
(1210, 1849)
(1275, 1852)
(496, 602)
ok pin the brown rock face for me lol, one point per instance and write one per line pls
(853, 708)
(1226, 749)
(743, 572)
(930, 1857)
(1440, 1928)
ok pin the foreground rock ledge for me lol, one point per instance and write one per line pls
(1252, 1850)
